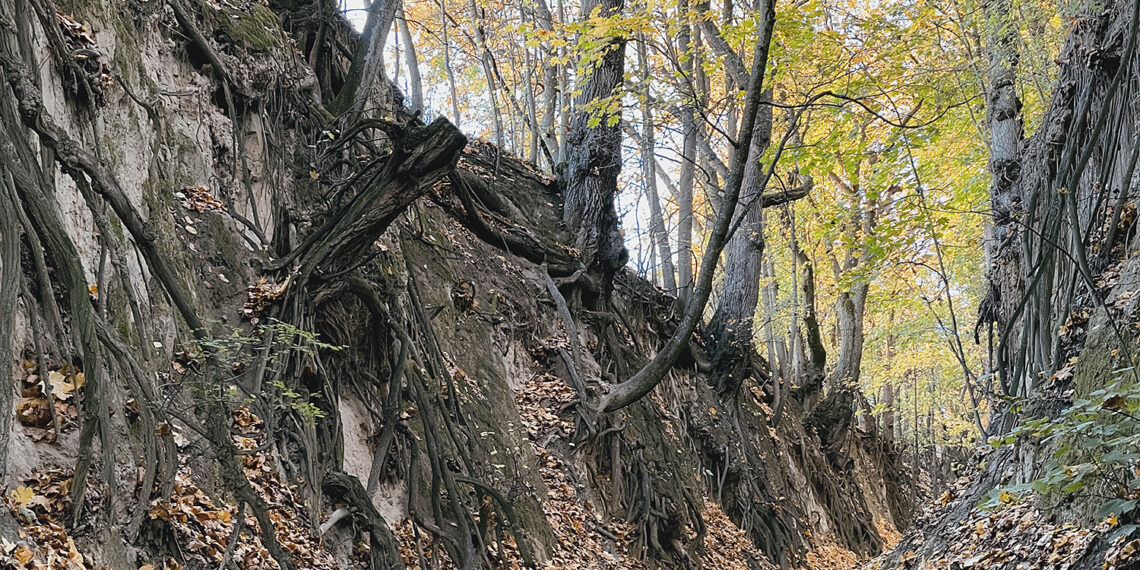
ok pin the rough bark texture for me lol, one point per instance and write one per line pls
(593, 156)
(731, 331)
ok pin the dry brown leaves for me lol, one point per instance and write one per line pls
(1017, 537)
(726, 545)
(40, 505)
(411, 550)
(830, 556)
(261, 295)
(32, 408)
(83, 47)
(205, 528)
(579, 526)
(199, 199)
(890, 535)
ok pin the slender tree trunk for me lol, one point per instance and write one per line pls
(688, 160)
(812, 376)
(415, 81)
(486, 58)
(649, 174)
(457, 119)
(531, 108)
(545, 22)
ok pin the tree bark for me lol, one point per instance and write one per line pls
(415, 80)
(366, 78)
(688, 161)
(648, 146)
(731, 327)
(593, 157)
(9, 286)
(486, 59)
(545, 22)
(1004, 123)
(447, 65)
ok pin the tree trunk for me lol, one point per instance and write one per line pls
(549, 82)
(593, 158)
(849, 309)
(688, 162)
(650, 375)
(415, 81)
(731, 327)
(366, 79)
(457, 119)
(1004, 123)
(660, 236)
(486, 58)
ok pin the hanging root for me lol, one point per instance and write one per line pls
(385, 554)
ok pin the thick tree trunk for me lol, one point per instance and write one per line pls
(849, 309)
(366, 79)
(9, 285)
(1004, 123)
(1003, 114)
(731, 327)
(593, 157)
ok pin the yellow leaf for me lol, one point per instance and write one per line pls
(94, 290)
(23, 496)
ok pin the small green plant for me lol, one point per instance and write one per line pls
(268, 349)
(287, 398)
(1095, 445)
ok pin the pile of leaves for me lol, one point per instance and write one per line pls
(34, 410)
(261, 295)
(727, 546)
(830, 556)
(199, 199)
(40, 504)
(1016, 537)
(585, 538)
(204, 527)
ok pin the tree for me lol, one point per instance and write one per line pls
(593, 154)
(629, 391)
